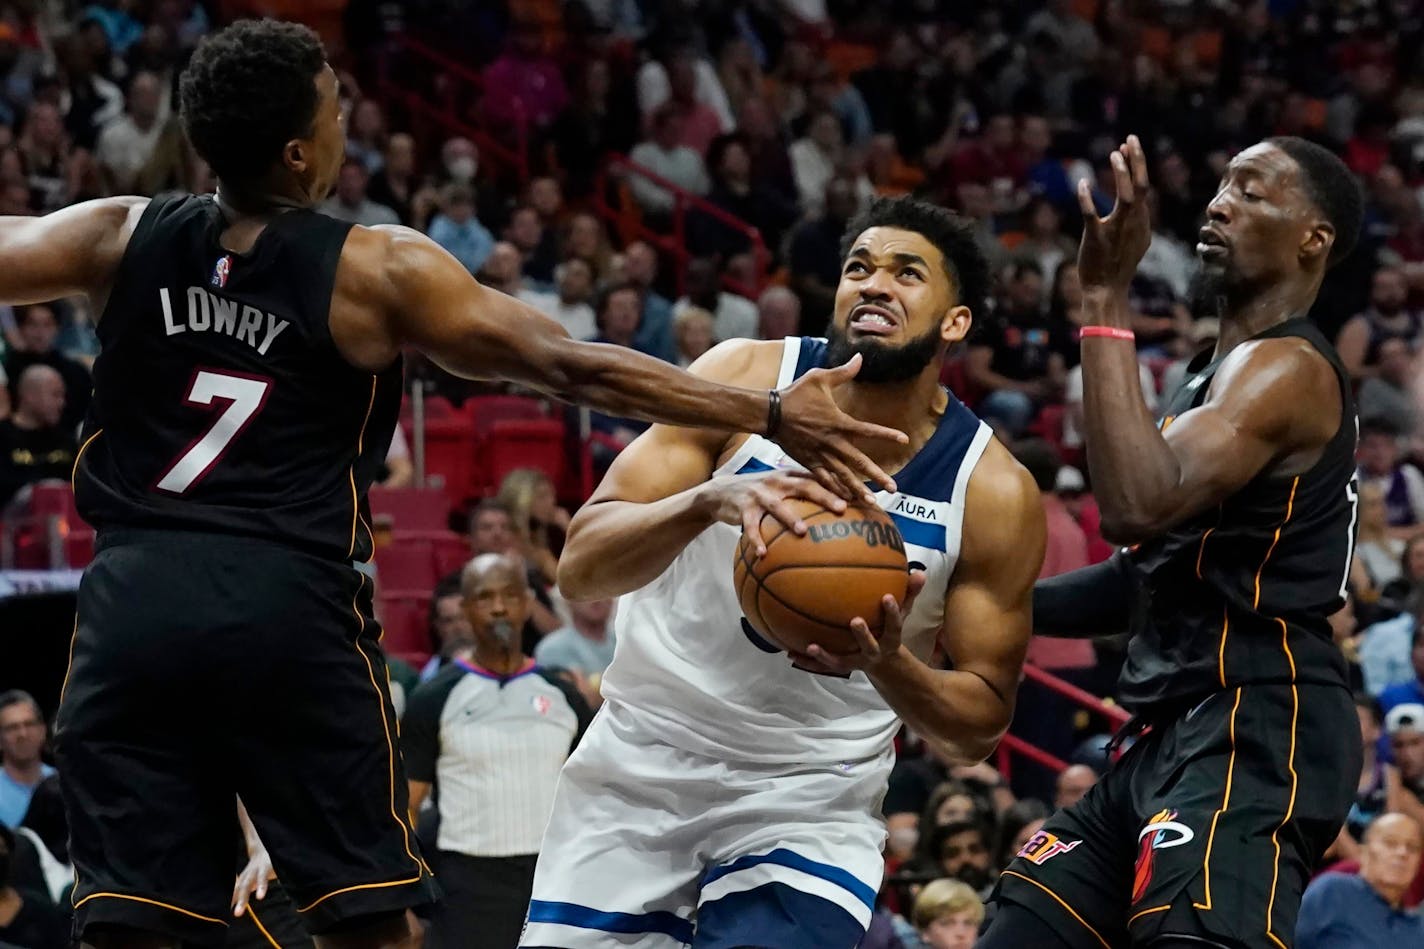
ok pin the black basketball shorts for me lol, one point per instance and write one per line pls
(206, 667)
(1209, 826)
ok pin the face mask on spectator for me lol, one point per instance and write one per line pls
(462, 169)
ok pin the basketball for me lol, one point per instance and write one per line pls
(807, 589)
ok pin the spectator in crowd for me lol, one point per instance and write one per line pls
(538, 249)
(28, 918)
(700, 122)
(90, 101)
(695, 332)
(1401, 482)
(34, 445)
(585, 646)
(735, 316)
(450, 633)
(1044, 242)
(619, 309)
(457, 229)
(1014, 358)
(665, 156)
(127, 143)
(766, 140)
(22, 740)
(1404, 730)
(819, 157)
(1384, 652)
(395, 185)
(1389, 317)
(58, 174)
(540, 525)
(496, 764)
(961, 852)
(1379, 553)
(654, 82)
(38, 330)
(735, 191)
(366, 138)
(1371, 793)
(1339, 911)
(597, 122)
(948, 914)
(1017, 827)
(502, 271)
(1387, 393)
(524, 84)
(655, 331)
(570, 305)
(586, 239)
(815, 254)
(350, 203)
(1075, 781)
(778, 313)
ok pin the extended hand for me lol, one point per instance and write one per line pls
(252, 881)
(873, 649)
(818, 434)
(1113, 246)
(744, 499)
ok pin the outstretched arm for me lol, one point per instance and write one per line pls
(1086, 603)
(1271, 401)
(657, 495)
(988, 614)
(73, 251)
(480, 333)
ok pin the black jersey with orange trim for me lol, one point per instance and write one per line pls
(1241, 593)
(220, 400)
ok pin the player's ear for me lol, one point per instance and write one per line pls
(1318, 241)
(955, 325)
(294, 155)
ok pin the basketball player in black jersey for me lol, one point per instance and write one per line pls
(1241, 507)
(247, 389)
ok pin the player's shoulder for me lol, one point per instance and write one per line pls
(1279, 361)
(742, 362)
(1003, 511)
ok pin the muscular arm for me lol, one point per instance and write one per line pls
(988, 617)
(653, 492)
(1085, 603)
(73, 251)
(1273, 401)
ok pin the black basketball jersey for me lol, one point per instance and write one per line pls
(220, 400)
(1241, 593)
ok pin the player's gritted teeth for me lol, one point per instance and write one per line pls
(873, 320)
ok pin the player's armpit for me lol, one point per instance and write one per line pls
(987, 618)
(72, 251)
(1277, 403)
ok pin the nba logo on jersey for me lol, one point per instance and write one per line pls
(221, 270)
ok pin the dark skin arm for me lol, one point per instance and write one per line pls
(396, 287)
(1273, 404)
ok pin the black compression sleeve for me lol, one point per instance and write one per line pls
(1085, 604)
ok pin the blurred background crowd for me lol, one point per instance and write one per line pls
(665, 174)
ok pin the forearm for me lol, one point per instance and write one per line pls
(957, 711)
(1134, 470)
(1085, 604)
(625, 383)
(602, 559)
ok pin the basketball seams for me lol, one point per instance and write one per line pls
(784, 529)
(852, 565)
(835, 627)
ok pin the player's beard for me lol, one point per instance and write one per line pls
(881, 363)
(1210, 288)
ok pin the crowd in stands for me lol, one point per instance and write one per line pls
(789, 116)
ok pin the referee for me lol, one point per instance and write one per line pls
(492, 734)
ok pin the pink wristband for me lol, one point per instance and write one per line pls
(1107, 332)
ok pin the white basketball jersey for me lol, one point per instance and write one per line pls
(688, 659)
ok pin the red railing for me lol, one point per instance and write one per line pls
(1012, 745)
(675, 243)
(450, 109)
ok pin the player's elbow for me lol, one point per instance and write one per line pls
(576, 578)
(1126, 528)
(964, 749)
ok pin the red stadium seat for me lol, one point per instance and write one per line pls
(450, 447)
(403, 616)
(406, 564)
(486, 411)
(411, 509)
(537, 443)
(452, 552)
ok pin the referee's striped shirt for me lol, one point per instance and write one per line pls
(493, 746)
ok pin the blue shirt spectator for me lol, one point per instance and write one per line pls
(458, 230)
(1340, 911)
(22, 738)
(1384, 657)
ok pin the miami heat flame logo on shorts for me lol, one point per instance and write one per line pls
(1160, 833)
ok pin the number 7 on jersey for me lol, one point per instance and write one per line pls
(244, 396)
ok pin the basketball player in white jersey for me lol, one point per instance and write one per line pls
(728, 795)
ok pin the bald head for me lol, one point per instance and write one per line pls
(1073, 783)
(40, 397)
(1389, 855)
(492, 568)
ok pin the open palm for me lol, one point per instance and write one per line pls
(1113, 246)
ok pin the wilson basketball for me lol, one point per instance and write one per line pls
(807, 589)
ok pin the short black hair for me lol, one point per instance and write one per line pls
(248, 90)
(1331, 187)
(953, 234)
(20, 697)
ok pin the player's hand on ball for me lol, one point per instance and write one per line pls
(873, 649)
(252, 881)
(1113, 246)
(744, 499)
(818, 434)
